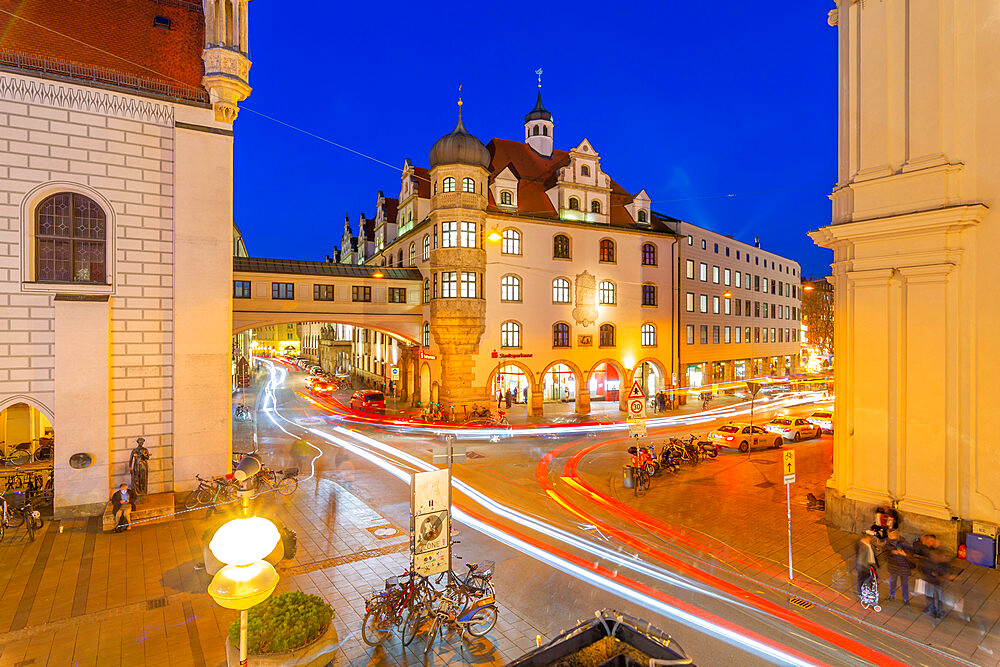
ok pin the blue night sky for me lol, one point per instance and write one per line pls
(692, 101)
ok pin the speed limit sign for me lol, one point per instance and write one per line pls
(637, 408)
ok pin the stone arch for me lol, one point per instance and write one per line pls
(435, 392)
(660, 367)
(31, 401)
(623, 373)
(565, 362)
(354, 321)
(510, 362)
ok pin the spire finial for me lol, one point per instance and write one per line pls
(539, 73)
(459, 100)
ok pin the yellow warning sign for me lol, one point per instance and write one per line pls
(788, 462)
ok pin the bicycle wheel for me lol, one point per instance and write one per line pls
(29, 525)
(192, 499)
(482, 621)
(37, 522)
(375, 626)
(205, 497)
(15, 519)
(2, 530)
(413, 619)
(19, 457)
(287, 486)
(643, 484)
(44, 453)
(431, 635)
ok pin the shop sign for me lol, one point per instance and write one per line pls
(511, 355)
(427, 355)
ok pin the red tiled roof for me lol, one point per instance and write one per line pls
(117, 36)
(391, 206)
(422, 176)
(537, 174)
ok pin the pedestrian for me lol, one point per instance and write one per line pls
(499, 400)
(525, 394)
(123, 504)
(865, 559)
(886, 519)
(937, 572)
(565, 398)
(510, 398)
(899, 566)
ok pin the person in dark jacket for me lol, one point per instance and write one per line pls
(865, 559)
(123, 504)
(899, 565)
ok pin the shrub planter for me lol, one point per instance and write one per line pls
(291, 628)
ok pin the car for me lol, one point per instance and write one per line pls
(322, 387)
(368, 400)
(793, 428)
(743, 437)
(823, 419)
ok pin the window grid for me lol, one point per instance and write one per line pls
(449, 234)
(607, 335)
(467, 235)
(649, 295)
(70, 237)
(323, 292)
(648, 335)
(241, 289)
(510, 334)
(560, 334)
(283, 291)
(607, 247)
(468, 285)
(449, 284)
(560, 246)
(560, 290)
(606, 290)
(397, 295)
(361, 293)
(648, 254)
(511, 242)
(510, 288)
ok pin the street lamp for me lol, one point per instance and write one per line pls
(494, 235)
(247, 579)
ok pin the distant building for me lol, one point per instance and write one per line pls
(817, 324)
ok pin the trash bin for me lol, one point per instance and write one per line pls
(628, 476)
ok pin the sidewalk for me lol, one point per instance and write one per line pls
(77, 596)
(754, 542)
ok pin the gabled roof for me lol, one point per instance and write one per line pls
(118, 44)
(391, 206)
(422, 176)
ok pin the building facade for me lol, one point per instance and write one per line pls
(545, 279)
(913, 229)
(116, 215)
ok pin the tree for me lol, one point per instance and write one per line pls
(817, 314)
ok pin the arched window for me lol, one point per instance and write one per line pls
(642, 216)
(560, 334)
(427, 334)
(606, 291)
(427, 247)
(511, 242)
(510, 334)
(535, 132)
(648, 335)
(399, 258)
(560, 246)
(510, 288)
(585, 170)
(70, 236)
(574, 204)
(448, 185)
(505, 198)
(607, 335)
(595, 206)
(560, 290)
(413, 254)
(468, 185)
(427, 291)
(648, 254)
(545, 130)
(607, 250)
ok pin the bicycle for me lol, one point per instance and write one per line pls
(640, 480)
(243, 413)
(16, 457)
(268, 479)
(211, 492)
(388, 608)
(455, 607)
(27, 516)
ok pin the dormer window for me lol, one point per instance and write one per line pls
(642, 216)
(574, 204)
(448, 185)
(505, 198)
(595, 206)
(585, 170)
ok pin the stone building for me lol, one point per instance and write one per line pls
(913, 230)
(117, 225)
(545, 278)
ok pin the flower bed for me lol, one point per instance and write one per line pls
(283, 623)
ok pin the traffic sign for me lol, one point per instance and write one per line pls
(790, 479)
(637, 428)
(637, 391)
(394, 372)
(788, 463)
(637, 408)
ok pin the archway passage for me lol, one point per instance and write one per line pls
(650, 376)
(511, 382)
(605, 383)
(559, 384)
(28, 441)
(425, 385)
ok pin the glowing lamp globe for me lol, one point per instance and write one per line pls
(244, 541)
(243, 586)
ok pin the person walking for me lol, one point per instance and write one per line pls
(865, 559)
(899, 566)
(937, 572)
(499, 400)
(122, 505)
(526, 394)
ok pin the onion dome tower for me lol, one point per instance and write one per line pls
(459, 178)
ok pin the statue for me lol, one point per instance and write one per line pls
(138, 466)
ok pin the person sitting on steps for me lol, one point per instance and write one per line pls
(123, 504)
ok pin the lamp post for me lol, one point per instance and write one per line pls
(242, 544)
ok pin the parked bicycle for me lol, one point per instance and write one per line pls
(15, 457)
(281, 481)
(243, 413)
(386, 609)
(27, 516)
(212, 492)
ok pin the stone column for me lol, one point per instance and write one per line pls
(535, 401)
(583, 402)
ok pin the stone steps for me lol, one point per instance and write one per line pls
(154, 508)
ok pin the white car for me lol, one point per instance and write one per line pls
(743, 437)
(823, 419)
(793, 428)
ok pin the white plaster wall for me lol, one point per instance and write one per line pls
(120, 149)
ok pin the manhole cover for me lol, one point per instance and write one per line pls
(383, 532)
(800, 603)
